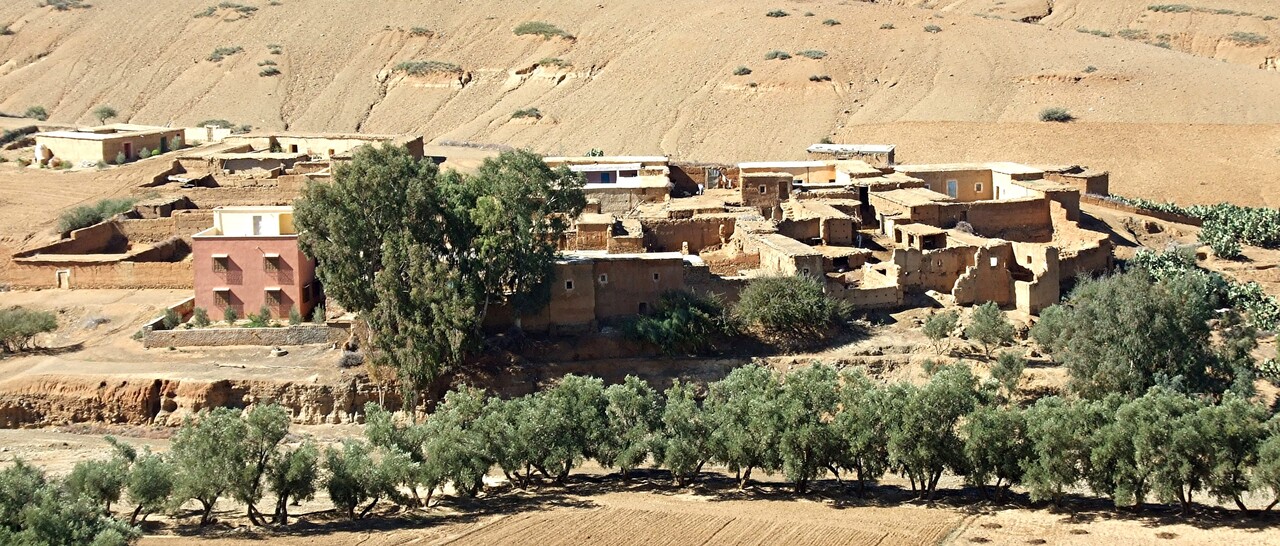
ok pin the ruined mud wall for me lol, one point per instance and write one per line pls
(1021, 219)
(669, 235)
(99, 238)
(103, 275)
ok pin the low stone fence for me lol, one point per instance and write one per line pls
(302, 334)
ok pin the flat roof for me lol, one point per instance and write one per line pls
(1003, 167)
(258, 155)
(1006, 167)
(605, 167)
(856, 167)
(595, 218)
(786, 245)
(783, 164)
(912, 196)
(809, 210)
(607, 159)
(590, 255)
(254, 208)
(919, 229)
(108, 132)
(1043, 185)
(852, 148)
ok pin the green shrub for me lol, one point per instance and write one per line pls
(19, 325)
(275, 49)
(554, 61)
(317, 314)
(65, 5)
(88, 215)
(269, 71)
(223, 52)
(1170, 8)
(213, 10)
(219, 123)
(539, 28)
(932, 29)
(886, 26)
(1249, 39)
(200, 318)
(1132, 34)
(789, 310)
(423, 68)
(266, 62)
(295, 316)
(682, 322)
(144, 153)
(1056, 114)
(741, 71)
(776, 54)
(38, 113)
(938, 328)
(171, 319)
(262, 319)
(812, 53)
(1090, 69)
(206, 12)
(831, 22)
(104, 113)
(809, 14)
(819, 78)
(1095, 32)
(527, 113)
(121, 159)
(230, 315)
(776, 13)
(420, 31)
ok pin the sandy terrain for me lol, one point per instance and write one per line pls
(645, 77)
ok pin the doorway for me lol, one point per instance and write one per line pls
(64, 279)
(952, 189)
(128, 151)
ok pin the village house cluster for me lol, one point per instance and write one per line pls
(877, 234)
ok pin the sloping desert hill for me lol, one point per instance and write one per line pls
(646, 77)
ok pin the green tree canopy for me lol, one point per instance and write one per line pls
(789, 310)
(745, 413)
(424, 254)
(989, 327)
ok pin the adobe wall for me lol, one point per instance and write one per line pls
(801, 230)
(702, 280)
(782, 263)
(765, 191)
(568, 306)
(1020, 219)
(103, 275)
(302, 334)
(685, 177)
(669, 235)
(592, 237)
(1160, 215)
(1045, 288)
(633, 282)
(1088, 259)
(150, 230)
(937, 270)
(1090, 183)
(966, 183)
(623, 199)
(883, 297)
(101, 238)
(189, 222)
(625, 244)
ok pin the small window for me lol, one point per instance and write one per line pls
(763, 189)
(604, 278)
(1029, 259)
(657, 277)
(271, 264)
(222, 298)
(220, 263)
(978, 187)
(995, 261)
(568, 285)
(644, 308)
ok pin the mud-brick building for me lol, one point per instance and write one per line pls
(106, 143)
(249, 259)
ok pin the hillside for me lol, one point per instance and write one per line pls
(642, 77)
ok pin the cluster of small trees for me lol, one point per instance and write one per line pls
(787, 312)
(987, 326)
(88, 215)
(262, 319)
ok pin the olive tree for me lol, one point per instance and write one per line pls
(995, 445)
(863, 424)
(926, 441)
(938, 328)
(150, 485)
(809, 443)
(685, 434)
(293, 475)
(989, 327)
(745, 413)
(210, 458)
(633, 417)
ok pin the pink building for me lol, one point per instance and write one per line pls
(250, 258)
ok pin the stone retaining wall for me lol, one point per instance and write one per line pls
(304, 334)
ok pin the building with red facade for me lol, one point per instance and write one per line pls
(250, 259)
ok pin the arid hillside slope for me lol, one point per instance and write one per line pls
(643, 77)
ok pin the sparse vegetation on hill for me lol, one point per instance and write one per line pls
(269, 71)
(1250, 39)
(275, 49)
(539, 28)
(88, 215)
(554, 61)
(776, 13)
(1170, 8)
(812, 53)
(777, 54)
(886, 26)
(1226, 226)
(37, 113)
(527, 113)
(1056, 114)
(1095, 32)
(419, 32)
(932, 29)
(65, 5)
(423, 68)
(238, 8)
(831, 22)
(19, 326)
(819, 78)
(223, 52)
(741, 71)
(5, 30)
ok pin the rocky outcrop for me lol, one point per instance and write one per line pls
(57, 400)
